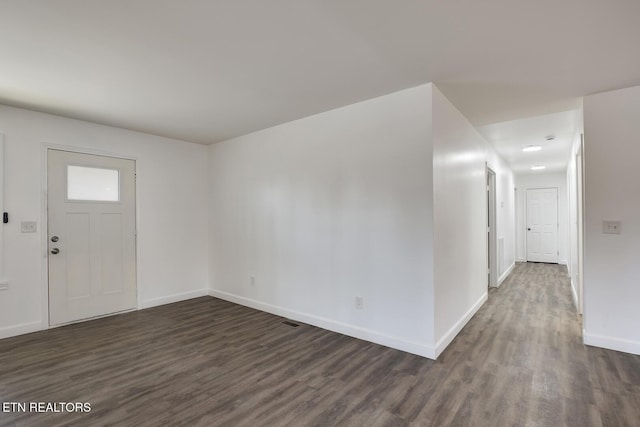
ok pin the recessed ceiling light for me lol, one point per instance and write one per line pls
(530, 148)
(538, 167)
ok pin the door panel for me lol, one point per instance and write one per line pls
(112, 255)
(542, 225)
(78, 254)
(91, 224)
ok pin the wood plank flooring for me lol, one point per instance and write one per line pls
(207, 362)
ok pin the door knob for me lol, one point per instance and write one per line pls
(55, 239)
(55, 251)
(528, 229)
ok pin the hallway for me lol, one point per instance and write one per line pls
(522, 361)
(205, 361)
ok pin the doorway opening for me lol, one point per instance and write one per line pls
(492, 261)
(580, 223)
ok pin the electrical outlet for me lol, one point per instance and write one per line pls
(28, 227)
(252, 280)
(359, 303)
(4, 285)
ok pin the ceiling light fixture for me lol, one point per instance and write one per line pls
(530, 148)
(538, 167)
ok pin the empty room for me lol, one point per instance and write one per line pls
(319, 213)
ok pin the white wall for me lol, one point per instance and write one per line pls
(341, 204)
(302, 218)
(172, 206)
(327, 208)
(612, 261)
(542, 180)
(460, 156)
(505, 213)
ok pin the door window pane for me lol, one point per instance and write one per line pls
(96, 184)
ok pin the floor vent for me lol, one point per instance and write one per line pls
(290, 323)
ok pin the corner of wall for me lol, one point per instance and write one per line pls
(450, 335)
(460, 155)
(313, 193)
(366, 334)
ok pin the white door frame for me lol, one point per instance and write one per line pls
(524, 230)
(44, 231)
(580, 221)
(492, 238)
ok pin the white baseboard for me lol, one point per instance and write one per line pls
(612, 343)
(444, 342)
(27, 328)
(506, 274)
(331, 325)
(574, 293)
(24, 328)
(154, 302)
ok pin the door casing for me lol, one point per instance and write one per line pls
(492, 237)
(580, 222)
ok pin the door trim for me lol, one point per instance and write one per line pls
(44, 221)
(580, 222)
(492, 223)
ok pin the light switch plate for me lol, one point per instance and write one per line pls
(28, 227)
(611, 227)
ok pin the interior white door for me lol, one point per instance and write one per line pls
(91, 236)
(542, 225)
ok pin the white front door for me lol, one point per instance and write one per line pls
(91, 236)
(542, 225)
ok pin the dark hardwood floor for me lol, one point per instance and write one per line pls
(207, 362)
